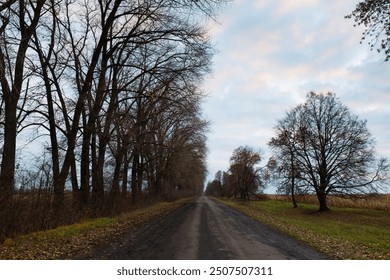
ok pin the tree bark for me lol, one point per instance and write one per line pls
(295, 205)
(321, 195)
(125, 175)
(7, 177)
(134, 177)
(85, 164)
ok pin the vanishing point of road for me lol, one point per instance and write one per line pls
(205, 230)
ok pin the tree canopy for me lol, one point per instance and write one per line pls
(375, 16)
(245, 175)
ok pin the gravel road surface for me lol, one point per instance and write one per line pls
(205, 230)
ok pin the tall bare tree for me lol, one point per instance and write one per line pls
(20, 18)
(284, 166)
(332, 149)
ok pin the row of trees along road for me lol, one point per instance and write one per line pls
(111, 89)
(319, 147)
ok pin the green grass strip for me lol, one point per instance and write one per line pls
(342, 233)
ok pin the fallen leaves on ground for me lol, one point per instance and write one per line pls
(41, 247)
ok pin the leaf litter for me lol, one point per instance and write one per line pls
(48, 246)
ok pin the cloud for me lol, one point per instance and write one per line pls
(287, 7)
(271, 54)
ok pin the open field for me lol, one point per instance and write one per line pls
(374, 201)
(342, 233)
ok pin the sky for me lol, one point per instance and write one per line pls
(270, 54)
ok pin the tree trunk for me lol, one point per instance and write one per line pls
(58, 190)
(85, 164)
(125, 176)
(140, 171)
(134, 181)
(294, 201)
(295, 205)
(115, 188)
(115, 192)
(321, 195)
(7, 177)
(136, 176)
(98, 177)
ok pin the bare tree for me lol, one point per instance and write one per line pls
(284, 166)
(332, 149)
(17, 29)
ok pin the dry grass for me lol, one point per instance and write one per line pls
(375, 202)
(32, 210)
(68, 242)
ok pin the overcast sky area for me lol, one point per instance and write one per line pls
(270, 54)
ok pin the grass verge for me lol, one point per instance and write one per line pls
(68, 241)
(343, 233)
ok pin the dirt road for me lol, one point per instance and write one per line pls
(205, 230)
